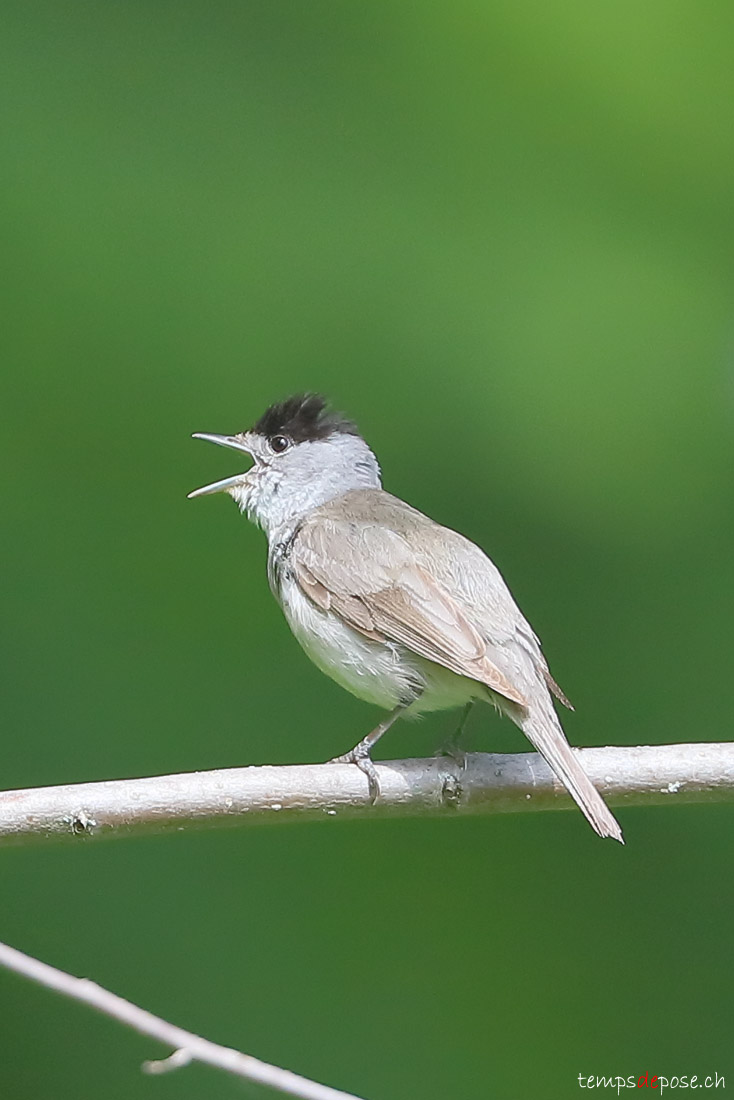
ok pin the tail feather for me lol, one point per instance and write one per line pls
(546, 735)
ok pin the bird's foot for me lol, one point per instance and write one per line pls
(451, 747)
(452, 750)
(360, 755)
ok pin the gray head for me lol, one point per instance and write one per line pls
(304, 454)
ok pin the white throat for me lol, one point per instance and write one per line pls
(276, 494)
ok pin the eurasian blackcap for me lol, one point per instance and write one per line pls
(400, 611)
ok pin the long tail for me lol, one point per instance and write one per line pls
(542, 728)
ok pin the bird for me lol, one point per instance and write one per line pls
(400, 611)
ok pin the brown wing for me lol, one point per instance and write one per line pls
(367, 575)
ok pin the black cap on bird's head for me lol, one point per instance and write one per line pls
(300, 445)
(303, 417)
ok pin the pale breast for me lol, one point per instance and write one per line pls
(373, 671)
(382, 673)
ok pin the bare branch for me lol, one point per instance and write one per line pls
(187, 1047)
(487, 783)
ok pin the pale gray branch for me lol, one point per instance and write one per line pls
(487, 783)
(187, 1047)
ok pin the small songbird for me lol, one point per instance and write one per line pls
(400, 611)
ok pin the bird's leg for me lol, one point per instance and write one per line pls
(361, 753)
(452, 746)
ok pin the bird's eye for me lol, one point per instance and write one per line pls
(279, 443)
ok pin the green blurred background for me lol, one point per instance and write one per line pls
(499, 235)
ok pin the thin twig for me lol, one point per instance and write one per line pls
(486, 783)
(187, 1046)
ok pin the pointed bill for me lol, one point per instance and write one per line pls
(236, 444)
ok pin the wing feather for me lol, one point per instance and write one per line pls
(368, 576)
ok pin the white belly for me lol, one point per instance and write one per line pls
(382, 673)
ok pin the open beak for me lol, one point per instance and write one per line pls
(236, 443)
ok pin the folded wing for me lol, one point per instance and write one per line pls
(368, 576)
